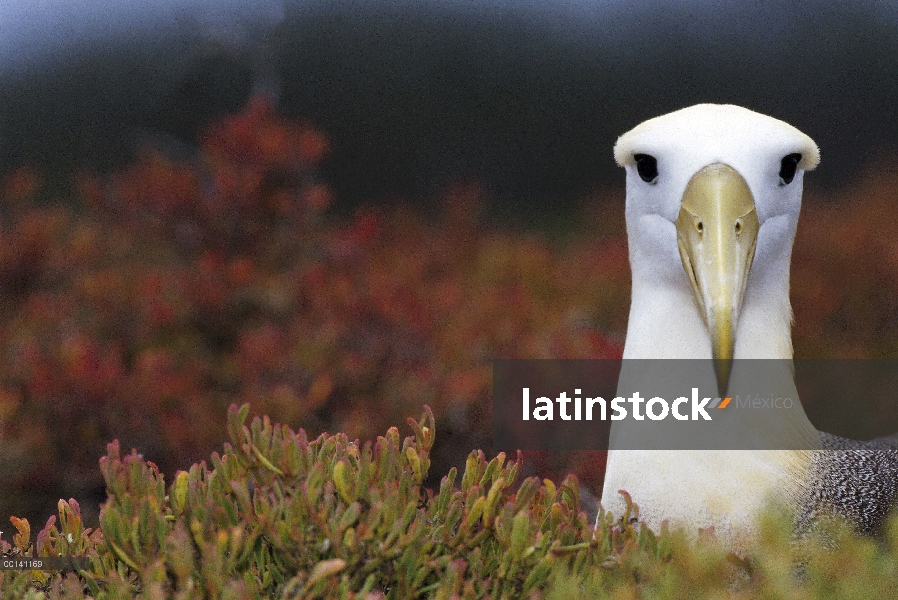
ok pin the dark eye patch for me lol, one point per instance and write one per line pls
(646, 166)
(788, 166)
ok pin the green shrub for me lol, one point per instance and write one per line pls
(279, 516)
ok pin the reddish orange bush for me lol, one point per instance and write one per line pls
(169, 290)
(845, 271)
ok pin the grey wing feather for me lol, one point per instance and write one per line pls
(855, 480)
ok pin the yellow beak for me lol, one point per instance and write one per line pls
(717, 229)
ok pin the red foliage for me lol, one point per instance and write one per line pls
(845, 272)
(173, 289)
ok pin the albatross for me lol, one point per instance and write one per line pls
(713, 194)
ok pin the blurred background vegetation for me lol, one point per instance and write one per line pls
(341, 211)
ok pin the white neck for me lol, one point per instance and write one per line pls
(696, 488)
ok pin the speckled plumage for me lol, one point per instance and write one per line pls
(857, 481)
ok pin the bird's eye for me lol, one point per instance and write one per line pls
(647, 167)
(788, 166)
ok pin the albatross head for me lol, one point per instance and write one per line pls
(713, 195)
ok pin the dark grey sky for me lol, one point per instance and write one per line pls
(528, 94)
(32, 30)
